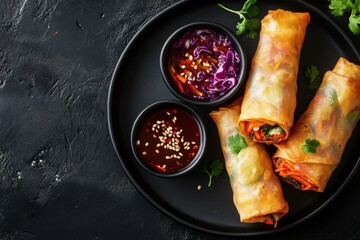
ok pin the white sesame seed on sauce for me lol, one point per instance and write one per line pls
(168, 141)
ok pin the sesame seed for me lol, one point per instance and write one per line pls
(144, 153)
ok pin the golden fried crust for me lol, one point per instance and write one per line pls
(270, 94)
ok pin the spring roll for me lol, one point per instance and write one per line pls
(257, 193)
(267, 111)
(314, 149)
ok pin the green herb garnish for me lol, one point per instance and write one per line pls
(248, 26)
(313, 74)
(236, 143)
(214, 169)
(340, 7)
(271, 130)
(310, 146)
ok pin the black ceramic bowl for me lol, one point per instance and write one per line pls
(168, 138)
(187, 67)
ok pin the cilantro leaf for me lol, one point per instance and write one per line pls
(236, 143)
(247, 5)
(312, 142)
(253, 11)
(313, 74)
(339, 7)
(354, 19)
(252, 26)
(214, 169)
(217, 167)
(246, 26)
(241, 28)
(310, 146)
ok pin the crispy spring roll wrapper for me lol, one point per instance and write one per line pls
(270, 93)
(257, 193)
(330, 119)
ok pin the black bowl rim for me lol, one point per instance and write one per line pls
(219, 28)
(170, 103)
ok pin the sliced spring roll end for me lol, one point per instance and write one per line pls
(303, 175)
(267, 132)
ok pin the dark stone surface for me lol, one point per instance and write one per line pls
(59, 175)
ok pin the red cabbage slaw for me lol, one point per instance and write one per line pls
(204, 64)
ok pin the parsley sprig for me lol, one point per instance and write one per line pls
(214, 169)
(248, 24)
(313, 74)
(340, 7)
(310, 146)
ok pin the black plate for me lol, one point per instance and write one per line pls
(137, 83)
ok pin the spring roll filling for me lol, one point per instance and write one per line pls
(272, 219)
(291, 175)
(264, 132)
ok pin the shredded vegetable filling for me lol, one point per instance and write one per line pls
(292, 176)
(272, 219)
(267, 132)
(203, 64)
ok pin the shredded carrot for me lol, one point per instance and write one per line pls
(178, 84)
(181, 78)
(257, 135)
(277, 136)
(287, 170)
(194, 90)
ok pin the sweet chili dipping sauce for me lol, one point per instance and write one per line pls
(168, 139)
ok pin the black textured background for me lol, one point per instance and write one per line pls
(59, 175)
